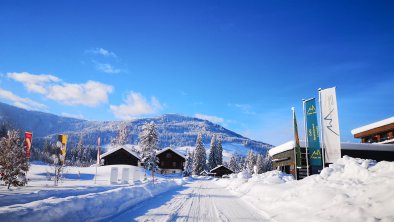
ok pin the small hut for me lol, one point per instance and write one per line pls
(220, 170)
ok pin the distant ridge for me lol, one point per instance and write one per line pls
(174, 129)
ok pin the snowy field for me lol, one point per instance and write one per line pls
(349, 190)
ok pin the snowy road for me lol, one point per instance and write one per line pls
(201, 200)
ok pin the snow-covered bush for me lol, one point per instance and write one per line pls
(13, 161)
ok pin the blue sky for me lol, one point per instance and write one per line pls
(242, 64)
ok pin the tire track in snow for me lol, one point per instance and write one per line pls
(201, 200)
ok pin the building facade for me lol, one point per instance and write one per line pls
(120, 156)
(283, 156)
(170, 161)
(378, 132)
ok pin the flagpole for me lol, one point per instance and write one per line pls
(98, 158)
(295, 152)
(321, 129)
(305, 137)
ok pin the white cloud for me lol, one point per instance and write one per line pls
(244, 108)
(91, 93)
(213, 119)
(33, 83)
(76, 116)
(135, 105)
(101, 51)
(24, 103)
(107, 68)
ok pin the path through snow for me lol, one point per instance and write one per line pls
(201, 200)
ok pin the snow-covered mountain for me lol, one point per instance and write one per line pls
(173, 129)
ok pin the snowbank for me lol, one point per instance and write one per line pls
(92, 207)
(349, 190)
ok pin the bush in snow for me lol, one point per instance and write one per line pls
(57, 167)
(13, 161)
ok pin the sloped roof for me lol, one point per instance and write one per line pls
(219, 167)
(344, 146)
(169, 148)
(284, 147)
(373, 125)
(118, 148)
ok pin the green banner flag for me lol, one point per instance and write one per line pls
(312, 133)
(296, 141)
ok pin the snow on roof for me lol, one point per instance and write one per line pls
(373, 125)
(218, 167)
(169, 148)
(367, 146)
(387, 141)
(118, 148)
(284, 147)
(344, 146)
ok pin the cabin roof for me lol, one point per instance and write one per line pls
(118, 148)
(169, 148)
(219, 167)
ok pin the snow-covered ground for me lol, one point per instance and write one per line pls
(78, 197)
(349, 190)
(199, 200)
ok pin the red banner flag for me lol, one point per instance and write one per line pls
(28, 141)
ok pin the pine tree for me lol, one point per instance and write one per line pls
(233, 165)
(250, 162)
(79, 152)
(213, 153)
(241, 162)
(260, 163)
(4, 129)
(219, 152)
(148, 138)
(267, 163)
(13, 161)
(188, 164)
(200, 158)
(148, 146)
(121, 138)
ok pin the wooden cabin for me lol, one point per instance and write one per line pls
(283, 156)
(220, 170)
(120, 156)
(378, 132)
(170, 161)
